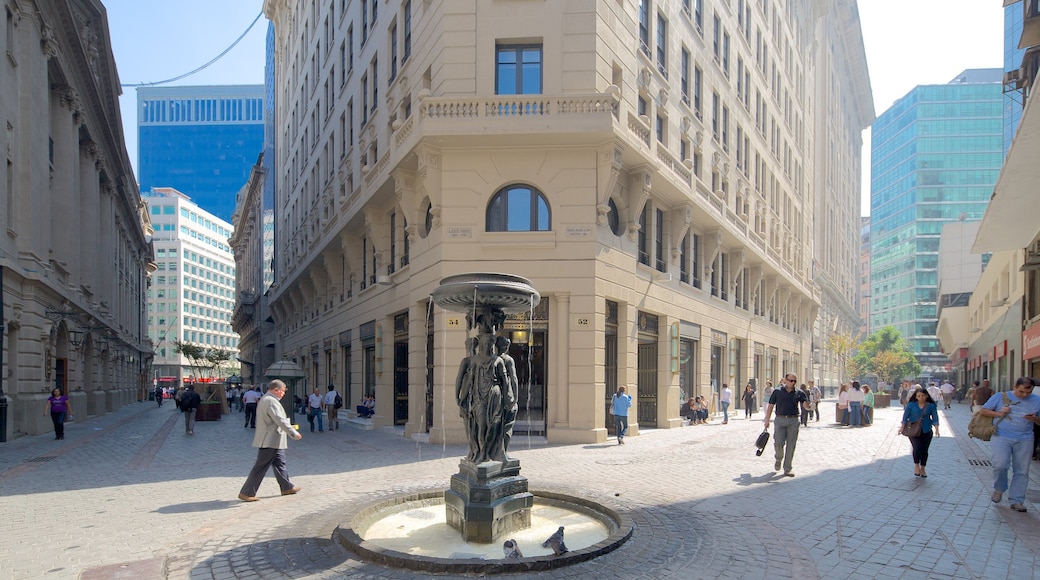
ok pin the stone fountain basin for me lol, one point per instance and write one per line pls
(461, 292)
(351, 536)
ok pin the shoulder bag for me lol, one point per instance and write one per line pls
(983, 427)
(911, 428)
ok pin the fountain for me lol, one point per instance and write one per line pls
(487, 500)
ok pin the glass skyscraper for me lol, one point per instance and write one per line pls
(1013, 100)
(200, 140)
(935, 157)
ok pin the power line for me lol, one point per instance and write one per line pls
(215, 59)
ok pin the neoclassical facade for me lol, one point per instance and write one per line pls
(75, 245)
(654, 168)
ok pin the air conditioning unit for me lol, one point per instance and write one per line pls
(383, 280)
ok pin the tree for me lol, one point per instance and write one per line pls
(195, 354)
(218, 358)
(887, 355)
(842, 345)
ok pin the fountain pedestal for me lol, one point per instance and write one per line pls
(487, 500)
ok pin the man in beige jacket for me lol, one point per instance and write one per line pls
(271, 441)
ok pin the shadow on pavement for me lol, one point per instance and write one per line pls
(196, 506)
(748, 479)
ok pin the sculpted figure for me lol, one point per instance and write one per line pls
(510, 391)
(488, 374)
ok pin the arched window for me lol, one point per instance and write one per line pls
(518, 208)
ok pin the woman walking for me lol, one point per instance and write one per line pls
(749, 401)
(921, 408)
(59, 407)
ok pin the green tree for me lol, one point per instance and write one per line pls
(843, 345)
(887, 355)
(195, 354)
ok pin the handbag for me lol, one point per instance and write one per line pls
(911, 428)
(983, 427)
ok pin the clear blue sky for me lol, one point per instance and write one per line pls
(154, 41)
(908, 43)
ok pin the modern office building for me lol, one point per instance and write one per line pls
(200, 140)
(935, 157)
(1014, 99)
(192, 296)
(75, 250)
(658, 170)
(864, 278)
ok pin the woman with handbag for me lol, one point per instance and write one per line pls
(920, 417)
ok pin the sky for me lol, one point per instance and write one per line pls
(907, 42)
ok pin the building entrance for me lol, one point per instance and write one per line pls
(528, 333)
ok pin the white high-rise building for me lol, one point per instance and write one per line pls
(192, 296)
(679, 180)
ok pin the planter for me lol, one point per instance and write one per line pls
(882, 400)
(209, 411)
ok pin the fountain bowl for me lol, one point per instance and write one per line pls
(461, 292)
(350, 535)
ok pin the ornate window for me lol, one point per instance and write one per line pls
(518, 208)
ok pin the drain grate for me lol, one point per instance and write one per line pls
(41, 459)
(980, 462)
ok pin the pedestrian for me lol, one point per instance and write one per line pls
(947, 390)
(982, 395)
(843, 404)
(921, 408)
(251, 398)
(807, 408)
(815, 395)
(621, 402)
(934, 391)
(868, 406)
(333, 402)
(726, 397)
(856, 397)
(787, 401)
(749, 401)
(314, 406)
(904, 393)
(190, 401)
(1012, 444)
(158, 394)
(229, 393)
(271, 441)
(59, 407)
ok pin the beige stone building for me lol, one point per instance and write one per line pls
(658, 170)
(75, 243)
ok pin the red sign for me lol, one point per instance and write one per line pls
(1031, 342)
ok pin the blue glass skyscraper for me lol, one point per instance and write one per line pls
(935, 157)
(200, 140)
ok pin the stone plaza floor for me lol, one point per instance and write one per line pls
(129, 495)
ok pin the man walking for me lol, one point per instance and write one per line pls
(190, 402)
(158, 394)
(251, 398)
(726, 396)
(620, 403)
(333, 402)
(1012, 444)
(787, 400)
(314, 405)
(947, 390)
(814, 399)
(271, 441)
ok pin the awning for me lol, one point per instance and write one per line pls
(1012, 218)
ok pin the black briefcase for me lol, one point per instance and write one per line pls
(761, 442)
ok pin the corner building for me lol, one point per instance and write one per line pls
(650, 166)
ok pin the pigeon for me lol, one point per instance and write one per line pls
(555, 542)
(512, 550)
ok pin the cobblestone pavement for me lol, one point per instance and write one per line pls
(129, 495)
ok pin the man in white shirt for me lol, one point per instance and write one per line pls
(947, 391)
(935, 392)
(314, 406)
(725, 397)
(332, 408)
(251, 398)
